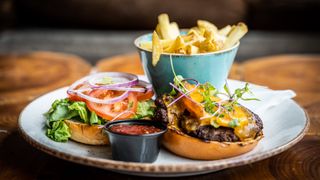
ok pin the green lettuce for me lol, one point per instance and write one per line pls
(145, 109)
(64, 109)
(81, 109)
(59, 131)
(94, 119)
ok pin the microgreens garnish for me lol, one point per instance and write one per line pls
(216, 108)
(177, 80)
(207, 92)
(227, 104)
(238, 94)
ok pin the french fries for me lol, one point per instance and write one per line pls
(225, 31)
(156, 48)
(203, 38)
(202, 24)
(191, 49)
(177, 46)
(165, 29)
(235, 34)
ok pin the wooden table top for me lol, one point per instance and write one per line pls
(24, 77)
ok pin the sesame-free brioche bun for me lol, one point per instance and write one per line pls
(194, 148)
(87, 134)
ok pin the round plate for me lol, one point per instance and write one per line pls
(284, 125)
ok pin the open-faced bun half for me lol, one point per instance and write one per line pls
(87, 134)
(194, 148)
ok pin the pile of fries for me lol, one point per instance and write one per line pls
(203, 38)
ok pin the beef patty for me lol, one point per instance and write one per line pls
(207, 133)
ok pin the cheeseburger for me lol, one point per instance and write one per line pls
(206, 124)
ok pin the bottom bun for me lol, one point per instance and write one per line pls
(87, 134)
(194, 148)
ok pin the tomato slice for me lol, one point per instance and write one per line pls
(74, 97)
(144, 96)
(112, 111)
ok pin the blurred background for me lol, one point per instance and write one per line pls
(292, 15)
(100, 28)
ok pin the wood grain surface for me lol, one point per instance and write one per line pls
(129, 63)
(18, 160)
(26, 76)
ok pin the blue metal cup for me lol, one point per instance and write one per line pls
(210, 67)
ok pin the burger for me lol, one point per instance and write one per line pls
(95, 100)
(206, 124)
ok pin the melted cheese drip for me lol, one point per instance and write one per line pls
(244, 118)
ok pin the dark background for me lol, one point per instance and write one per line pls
(95, 29)
(289, 15)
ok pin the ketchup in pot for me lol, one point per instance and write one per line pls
(134, 129)
(135, 140)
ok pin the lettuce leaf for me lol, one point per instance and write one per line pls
(59, 131)
(81, 109)
(64, 109)
(95, 119)
(145, 109)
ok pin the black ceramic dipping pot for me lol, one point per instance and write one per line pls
(135, 148)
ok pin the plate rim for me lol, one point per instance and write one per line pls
(158, 168)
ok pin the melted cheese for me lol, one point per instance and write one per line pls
(243, 117)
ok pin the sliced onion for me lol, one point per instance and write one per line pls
(120, 114)
(123, 89)
(103, 101)
(123, 80)
(190, 79)
(79, 92)
(145, 87)
(71, 89)
(182, 93)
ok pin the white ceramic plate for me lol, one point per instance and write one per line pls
(284, 125)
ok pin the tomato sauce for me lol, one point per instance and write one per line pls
(134, 129)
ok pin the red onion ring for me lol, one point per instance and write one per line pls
(71, 89)
(103, 101)
(145, 87)
(145, 84)
(123, 89)
(182, 93)
(131, 79)
(122, 113)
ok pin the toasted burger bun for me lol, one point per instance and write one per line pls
(194, 148)
(87, 134)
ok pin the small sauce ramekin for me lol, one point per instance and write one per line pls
(135, 148)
